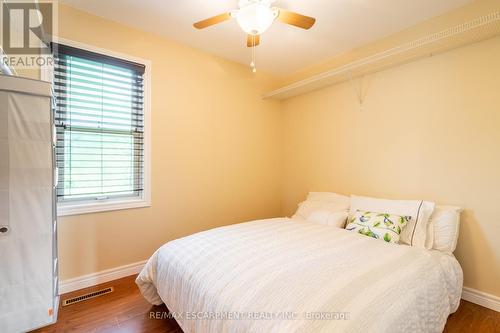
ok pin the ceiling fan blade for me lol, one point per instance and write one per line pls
(298, 20)
(212, 21)
(253, 40)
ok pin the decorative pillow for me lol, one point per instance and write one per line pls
(387, 227)
(445, 223)
(415, 234)
(335, 219)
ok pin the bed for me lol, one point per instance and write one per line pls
(284, 275)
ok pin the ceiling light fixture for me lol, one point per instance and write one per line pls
(256, 16)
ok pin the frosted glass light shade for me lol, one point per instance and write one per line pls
(256, 18)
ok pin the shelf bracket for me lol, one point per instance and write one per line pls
(357, 85)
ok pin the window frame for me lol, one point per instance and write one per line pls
(84, 207)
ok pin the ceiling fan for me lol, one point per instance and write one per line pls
(256, 16)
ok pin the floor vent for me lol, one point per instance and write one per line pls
(85, 297)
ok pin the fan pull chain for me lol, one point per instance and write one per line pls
(253, 63)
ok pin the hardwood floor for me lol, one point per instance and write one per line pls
(125, 310)
(471, 317)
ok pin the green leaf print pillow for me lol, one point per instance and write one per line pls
(381, 226)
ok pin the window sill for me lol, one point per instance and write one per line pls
(67, 209)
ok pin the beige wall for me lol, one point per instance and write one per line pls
(429, 130)
(215, 150)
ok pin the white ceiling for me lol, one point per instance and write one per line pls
(341, 25)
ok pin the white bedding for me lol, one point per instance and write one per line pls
(285, 273)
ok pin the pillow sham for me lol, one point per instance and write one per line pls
(334, 219)
(383, 226)
(445, 224)
(415, 233)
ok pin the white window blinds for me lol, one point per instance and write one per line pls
(99, 124)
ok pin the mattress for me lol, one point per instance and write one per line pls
(284, 275)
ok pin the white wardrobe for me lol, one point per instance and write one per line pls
(28, 228)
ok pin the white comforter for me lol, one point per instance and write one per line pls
(283, 275)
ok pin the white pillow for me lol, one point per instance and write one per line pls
(330, 197)
(331, 202)
(334, 219)
(445, 224)
(415, 233)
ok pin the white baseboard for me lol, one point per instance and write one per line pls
(93, 279)
(481, 298)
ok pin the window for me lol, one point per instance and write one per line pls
(100, 131)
